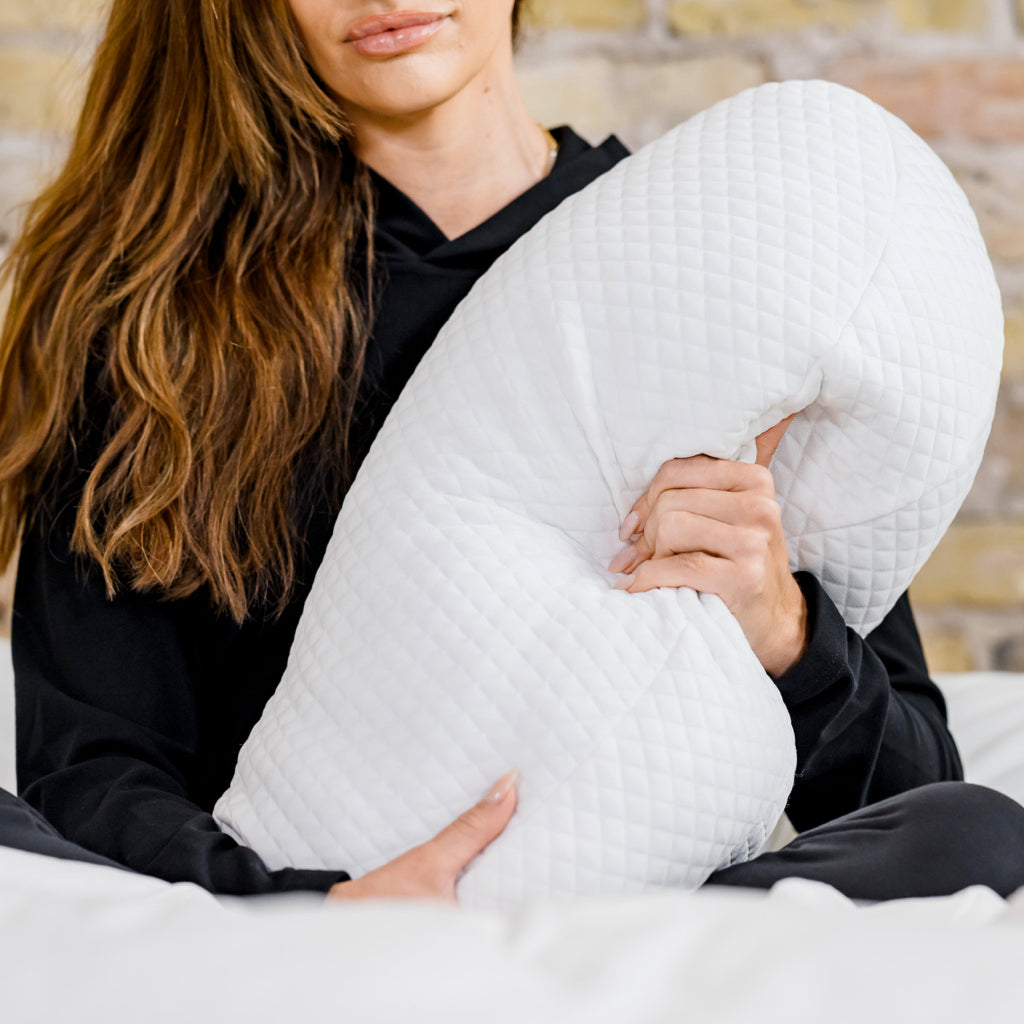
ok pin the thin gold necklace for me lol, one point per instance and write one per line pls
(552, 148)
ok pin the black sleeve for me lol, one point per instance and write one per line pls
(869, 722)
(110, 733)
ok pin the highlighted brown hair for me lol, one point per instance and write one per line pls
(200, 274)
(195, 263)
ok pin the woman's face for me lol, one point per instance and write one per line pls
(395, 58)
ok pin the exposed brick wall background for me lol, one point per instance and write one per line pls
(953, 69)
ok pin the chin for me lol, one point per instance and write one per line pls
(405, 91)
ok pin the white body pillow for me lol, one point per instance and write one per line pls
(794, 248)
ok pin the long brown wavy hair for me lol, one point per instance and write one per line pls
(201, 273)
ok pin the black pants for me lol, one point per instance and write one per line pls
(24, 828)
(931, 841)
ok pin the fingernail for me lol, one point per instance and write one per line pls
(622, 559)
(626, 582)
(629, 525)
(501, 788)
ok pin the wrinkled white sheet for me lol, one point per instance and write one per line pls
(986, 717)
(89, 944)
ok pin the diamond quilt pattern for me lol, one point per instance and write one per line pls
(793, 248)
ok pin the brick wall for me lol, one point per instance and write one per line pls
(953, 69)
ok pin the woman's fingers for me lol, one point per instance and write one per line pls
(700, 519)
(681, 517)
(431, 870)
(698, 473)
(630, 525)
(702, 471)
(714, 525)
(675, 531)
(696, 570)
(477, 828)
(767, 442)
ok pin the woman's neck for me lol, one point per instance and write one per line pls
(462, 160)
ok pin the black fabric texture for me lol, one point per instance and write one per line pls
(931, 841)
(869, 722)
(131, 712)
(24, 828)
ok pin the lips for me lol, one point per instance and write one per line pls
(381, 23)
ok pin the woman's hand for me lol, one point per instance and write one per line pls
(429, 872)
(715, 526)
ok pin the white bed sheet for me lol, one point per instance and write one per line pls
(84, 943)
(986, 716)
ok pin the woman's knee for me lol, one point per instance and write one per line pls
(968, 834)
(971, 807)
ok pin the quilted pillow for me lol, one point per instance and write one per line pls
(793, 248)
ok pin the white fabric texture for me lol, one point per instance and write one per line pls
(793, 248)
(98, 946)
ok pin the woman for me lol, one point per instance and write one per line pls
(268, 212)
